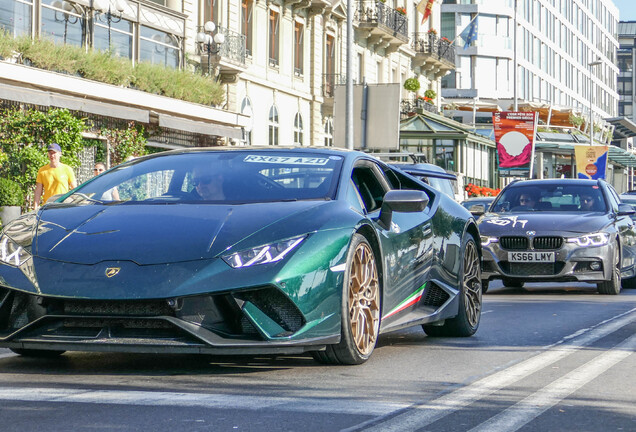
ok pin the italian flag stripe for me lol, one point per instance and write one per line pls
(409, 301)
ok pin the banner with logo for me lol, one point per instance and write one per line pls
(514, 134)
(591, 161)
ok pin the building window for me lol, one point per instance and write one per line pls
(15, 17)
(329, 132)
(246, 108)
(211, 10)
(273, 50)
(158, 47)
(298, 48)
(298, 129)
(273, 126)
(247, 14)
(118, 38)
(61, 25)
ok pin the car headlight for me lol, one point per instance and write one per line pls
(11, 253)
(485, 240)
(596, 239)
(265, 254)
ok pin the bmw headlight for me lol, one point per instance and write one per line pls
(265, 254)
(11, 253)
(485, 240)
(596, 239)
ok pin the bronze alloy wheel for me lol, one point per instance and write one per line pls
(472, 285)
(364, 299)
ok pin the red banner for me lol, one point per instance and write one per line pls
(425, 7)
(514, 134)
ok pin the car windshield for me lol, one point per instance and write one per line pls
(232, 177)
(550, 197)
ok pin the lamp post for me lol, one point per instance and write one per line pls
(210, 42)
(106, 15)
(590, 65)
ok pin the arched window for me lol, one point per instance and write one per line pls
(273, 126)
(246, 108)
(298, 129)
(329, 132)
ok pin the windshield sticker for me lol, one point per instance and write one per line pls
(286, 160)
(507, 220)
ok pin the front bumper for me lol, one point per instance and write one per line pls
(572, 263)
(256, 321)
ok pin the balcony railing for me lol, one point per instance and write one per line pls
(330, 81)
(409, 106)
(377, 12)
(233, 48)
(429, 43)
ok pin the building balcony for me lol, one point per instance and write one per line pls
(230, 59)
(434, 56)
(408, 107)
(381, 26)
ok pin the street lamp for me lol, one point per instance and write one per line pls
(106, 15)
(596, 62)
(209, 42)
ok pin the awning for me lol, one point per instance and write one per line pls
(617, 155)
(470, 105)
(624, 127)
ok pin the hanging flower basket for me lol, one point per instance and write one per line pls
(412, 84)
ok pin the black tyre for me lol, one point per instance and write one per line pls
(360, 308)
(37, 353)
(612, 286)
(470, 297)
(513, 283)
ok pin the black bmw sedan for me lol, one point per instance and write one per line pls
(559, 230)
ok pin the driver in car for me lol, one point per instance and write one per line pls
(208, 186)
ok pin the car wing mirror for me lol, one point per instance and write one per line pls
(401, 201)
(625, 210)
(477, 209)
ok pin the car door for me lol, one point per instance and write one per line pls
(626, 230)
(406, 244)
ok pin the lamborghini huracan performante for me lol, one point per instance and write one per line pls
(240, 250)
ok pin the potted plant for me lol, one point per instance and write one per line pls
(11, 198)
(401, 10)
(411, 84)
(432, 31)
(430, 94)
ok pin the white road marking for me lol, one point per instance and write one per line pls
(201, 400)
(536, 404)
(422, 415)
(10, 354)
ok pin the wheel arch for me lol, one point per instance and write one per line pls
(370, 234)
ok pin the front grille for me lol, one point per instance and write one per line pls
(435, 296)
(547, 242)
(514, 243)
(532, 269)
(118, 308)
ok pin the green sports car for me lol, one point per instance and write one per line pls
(240, 250)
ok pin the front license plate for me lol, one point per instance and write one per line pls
(531, 256)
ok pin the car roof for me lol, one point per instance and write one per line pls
(551, 182)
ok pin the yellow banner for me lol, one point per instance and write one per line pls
(591, 161)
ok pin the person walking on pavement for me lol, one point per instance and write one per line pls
(53, 178)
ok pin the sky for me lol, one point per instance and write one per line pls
(627, 10)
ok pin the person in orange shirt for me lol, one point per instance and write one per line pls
(53, 178)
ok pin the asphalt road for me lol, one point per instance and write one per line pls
(546, 357)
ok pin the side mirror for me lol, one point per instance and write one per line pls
(477, 209)
(401, 201)
(625, 210)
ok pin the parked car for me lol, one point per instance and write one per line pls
(540, 231)
(478, 205)
(432, 175)
(240, 251)
(629, 198)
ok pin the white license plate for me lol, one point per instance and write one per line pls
(532, 256)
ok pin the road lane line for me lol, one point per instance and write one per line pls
(201, 400)
(528, 409)
(421, 415)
